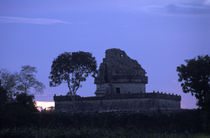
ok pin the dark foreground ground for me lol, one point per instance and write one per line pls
(90, 133)
(184, 124)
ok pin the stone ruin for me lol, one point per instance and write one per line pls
(120, 87)
(119, 74)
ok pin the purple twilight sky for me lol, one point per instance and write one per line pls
(160, 35)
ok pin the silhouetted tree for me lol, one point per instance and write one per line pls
(21, 81)
(27, 80)
(14, 91)
(3, 96)
(72, 68)
(25, 100)
(8, 82)
(195, 78)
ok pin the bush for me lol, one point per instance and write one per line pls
(189, 121)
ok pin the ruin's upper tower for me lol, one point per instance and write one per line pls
(119, 74)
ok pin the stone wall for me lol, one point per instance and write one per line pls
(124, 88)
(124, 103)
(129, 88)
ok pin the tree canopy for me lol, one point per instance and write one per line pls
(72, 68)
(3, 95)
(15, 88)
(20, 82)
(8, 82)
(27, 79)
(195, 78)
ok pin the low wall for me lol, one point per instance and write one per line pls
(123, 103)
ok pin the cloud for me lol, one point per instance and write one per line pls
(207, 2)
(193, 8)
(188, 9)
(42, 21)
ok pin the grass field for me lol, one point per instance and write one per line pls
(184, 124)
(90, 133)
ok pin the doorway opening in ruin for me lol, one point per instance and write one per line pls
(118, 90)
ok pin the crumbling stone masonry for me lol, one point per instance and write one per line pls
(119, 74)
(145, 102)
(120, 87)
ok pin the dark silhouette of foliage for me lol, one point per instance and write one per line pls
(72, 68)
(3, 96)
(27, 79)
(8, 82)
(19, 112)
(26, 100)
(21, 81)
(16, 105)
(195, 78)
(185, 121)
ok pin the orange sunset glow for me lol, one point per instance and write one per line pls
(43, 105)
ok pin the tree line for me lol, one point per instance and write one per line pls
(16, 87)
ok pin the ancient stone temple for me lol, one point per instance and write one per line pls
(120, 87)
(119, 74)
